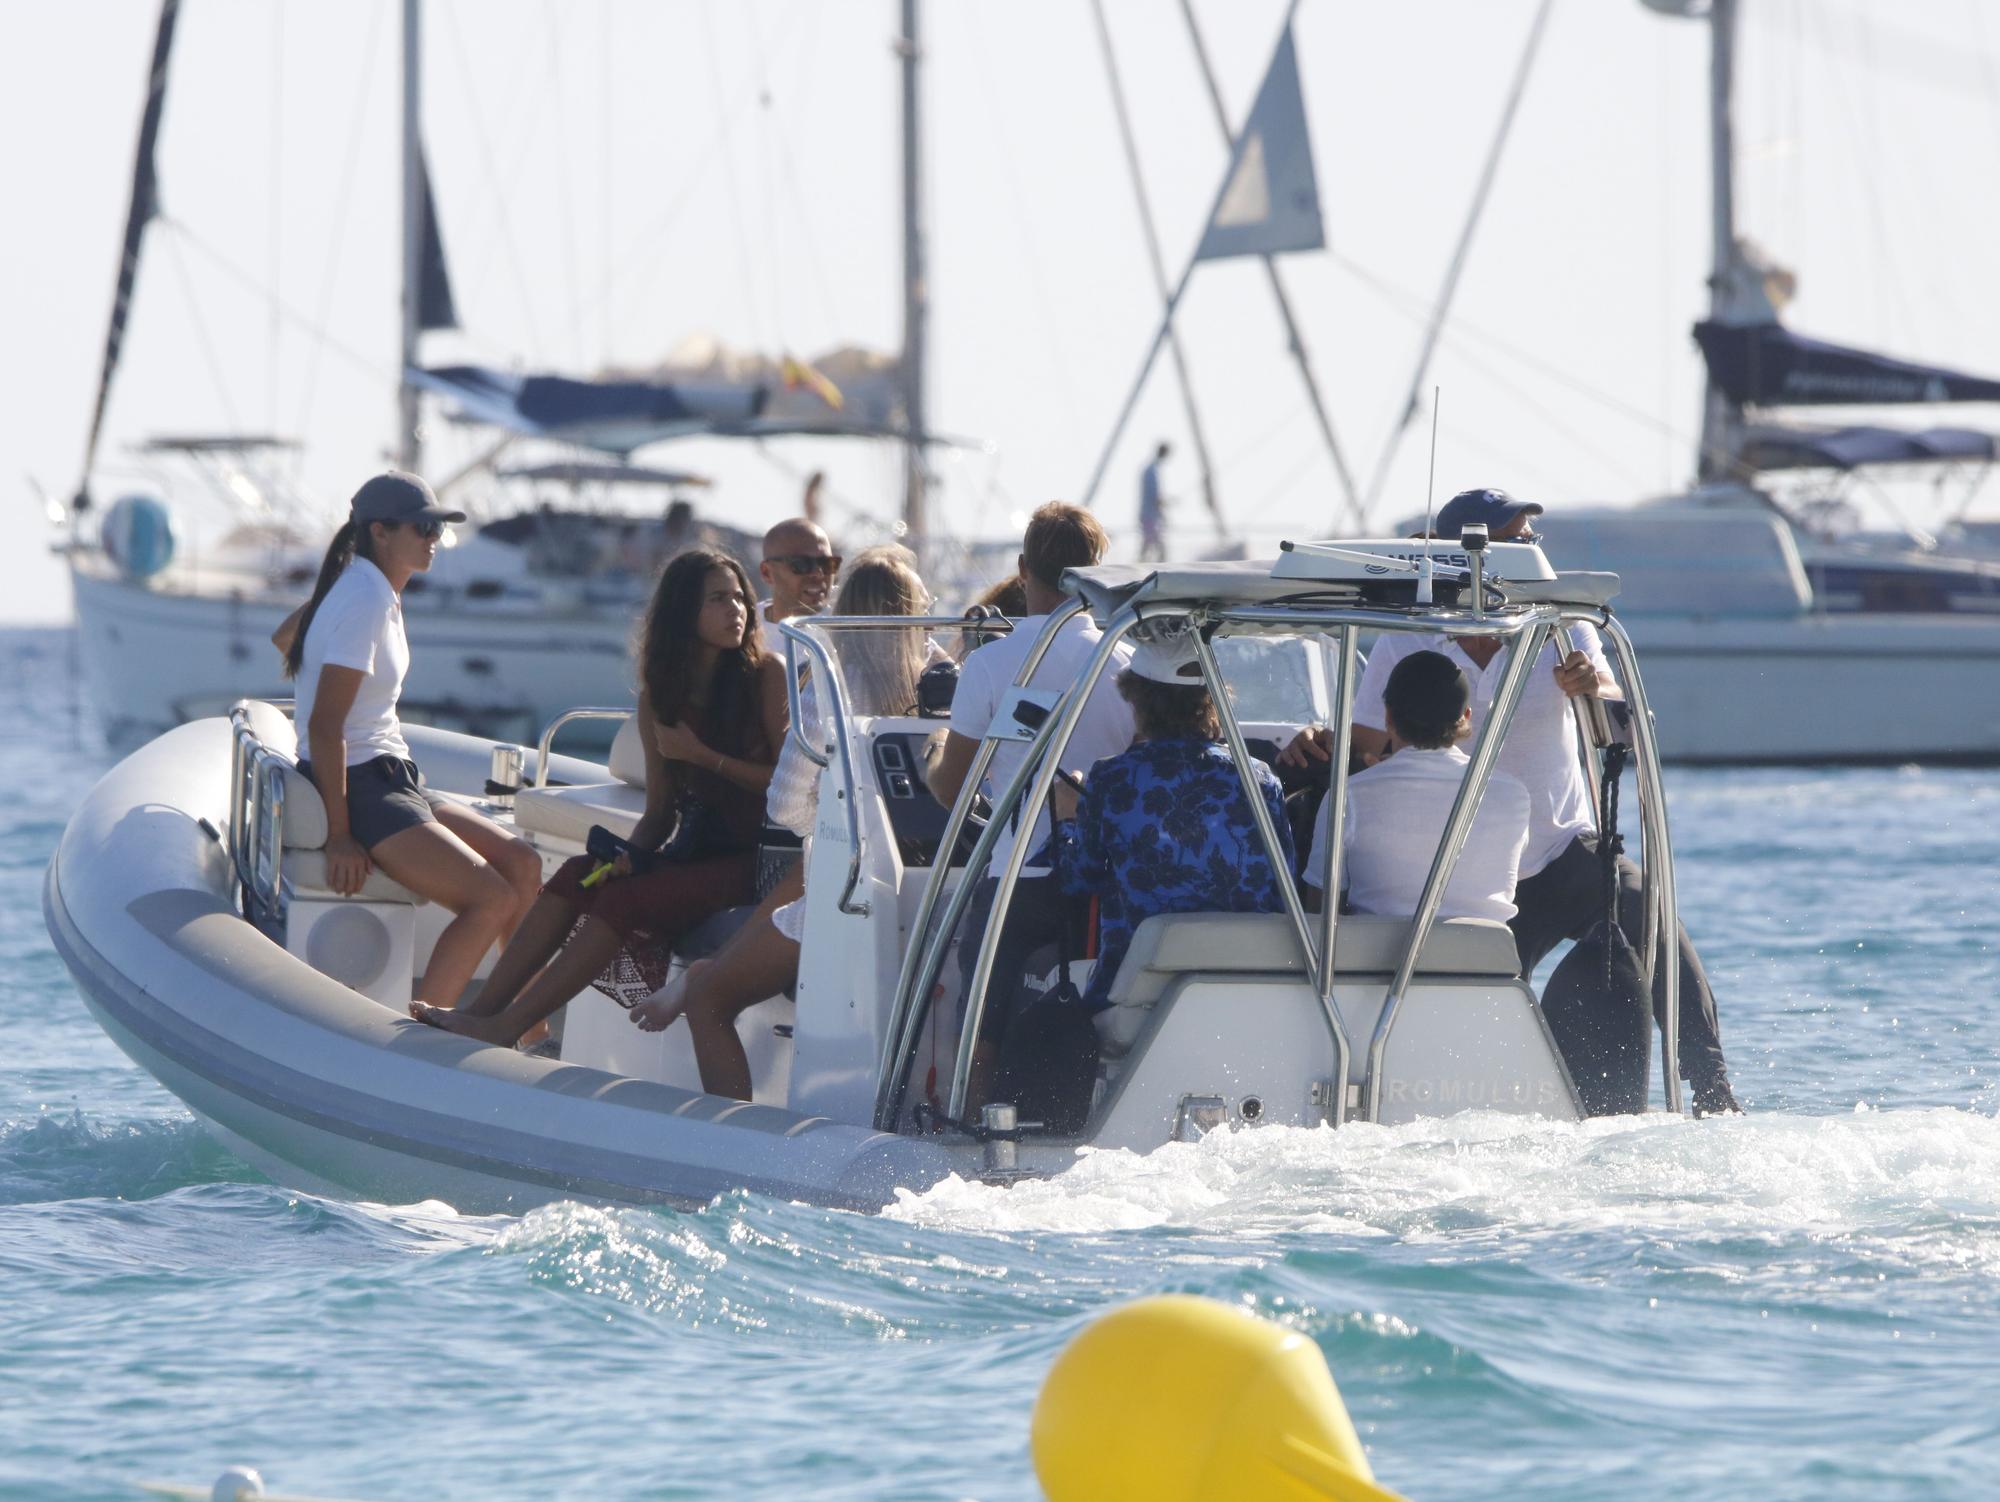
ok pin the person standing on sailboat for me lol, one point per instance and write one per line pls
(1153, 508)
(348, 655)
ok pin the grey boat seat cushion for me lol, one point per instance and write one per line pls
(567, 813)
(1177, 944)
(305, 818)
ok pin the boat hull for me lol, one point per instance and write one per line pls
(331, 1092)
(154, 658)
(1822, 688)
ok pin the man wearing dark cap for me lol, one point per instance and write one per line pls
(1560, 894)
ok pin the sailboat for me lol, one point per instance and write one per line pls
(1770, 638)
(509, 630)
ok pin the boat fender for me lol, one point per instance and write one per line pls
(1176, 1398)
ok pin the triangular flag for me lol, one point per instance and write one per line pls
(1270, 204)
(436, 308)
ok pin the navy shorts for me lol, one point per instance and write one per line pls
(385, 796)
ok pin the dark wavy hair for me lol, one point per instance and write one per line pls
(1170, 711)
(668, 647)
(352, 541)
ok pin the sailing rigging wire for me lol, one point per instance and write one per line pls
(208, 350)
(729, 176)
(498, 196)
(336, 258)
(1157, 261)
(1295, 343)
(236, 272)
(563, 185)
(997, 130)
(1414, 305)
(273, 326)
(1434, 330)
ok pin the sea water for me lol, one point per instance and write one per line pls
(1800, 1303)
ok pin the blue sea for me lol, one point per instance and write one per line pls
(1800, 1303)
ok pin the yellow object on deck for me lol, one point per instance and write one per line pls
(1177, 1398)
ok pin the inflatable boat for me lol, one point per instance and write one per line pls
(188, 899)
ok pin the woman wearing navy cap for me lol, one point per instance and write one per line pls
(346, 650)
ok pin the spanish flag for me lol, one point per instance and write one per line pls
(797, 373)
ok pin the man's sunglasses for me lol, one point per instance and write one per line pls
(808, 563)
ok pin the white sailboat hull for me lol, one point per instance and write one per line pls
(155, 658)
(1823, 688)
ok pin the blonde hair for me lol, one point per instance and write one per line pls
(882, 667)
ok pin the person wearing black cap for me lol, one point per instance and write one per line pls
(1560, 894)
(348, 655)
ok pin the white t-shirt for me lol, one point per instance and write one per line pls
(358, 625)
(1396, 813)
(1104, 730)
(1541, 746)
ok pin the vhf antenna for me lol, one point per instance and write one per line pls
(1430, 500)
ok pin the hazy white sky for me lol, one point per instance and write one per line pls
(616, 174)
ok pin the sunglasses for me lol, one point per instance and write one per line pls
(429, 531)
(802, 564)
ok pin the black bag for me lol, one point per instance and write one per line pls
(1048, 1064)
(1598, 1005)
(1601, 1014)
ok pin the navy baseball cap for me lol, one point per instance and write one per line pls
(393, 496)
(1494, 508)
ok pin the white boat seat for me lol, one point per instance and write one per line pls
(305, 819)
(305, 874)
(567, 813)
(1176, 944)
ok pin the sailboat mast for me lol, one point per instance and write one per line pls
(409, 452)
(1721, 419)
(916, 290)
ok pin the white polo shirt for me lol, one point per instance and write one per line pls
(358, 625)
(1104, 729)
(1396, 814)
(1541, 746)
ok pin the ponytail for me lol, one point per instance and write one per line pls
(350, 542)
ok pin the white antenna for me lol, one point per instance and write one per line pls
(1430, 500)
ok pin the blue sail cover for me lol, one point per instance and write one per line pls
(618, 417)
(1766, 365)
(1767, 448)
(615, 416)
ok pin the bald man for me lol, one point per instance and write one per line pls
(799, 568)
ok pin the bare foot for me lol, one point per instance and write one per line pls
(658, 1012)
(484, 1029)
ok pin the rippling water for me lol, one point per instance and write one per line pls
(1799, 1303)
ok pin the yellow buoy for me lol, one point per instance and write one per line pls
(1177, 1398)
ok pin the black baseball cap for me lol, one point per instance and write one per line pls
(1494, 508)
(393, 496)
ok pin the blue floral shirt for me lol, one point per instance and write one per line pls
(1165, 828)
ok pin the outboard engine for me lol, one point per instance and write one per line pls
(138, 534)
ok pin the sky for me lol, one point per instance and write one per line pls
(616, 175)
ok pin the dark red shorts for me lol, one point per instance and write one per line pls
(664, 903)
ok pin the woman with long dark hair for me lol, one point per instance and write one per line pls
(347, 653)
(761, 959)
(712, 717)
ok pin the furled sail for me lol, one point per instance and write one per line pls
(1766, 365)
(145, 204)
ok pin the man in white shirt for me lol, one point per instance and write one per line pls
(1397, 810)
(1560, 893)
(1059, 537)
